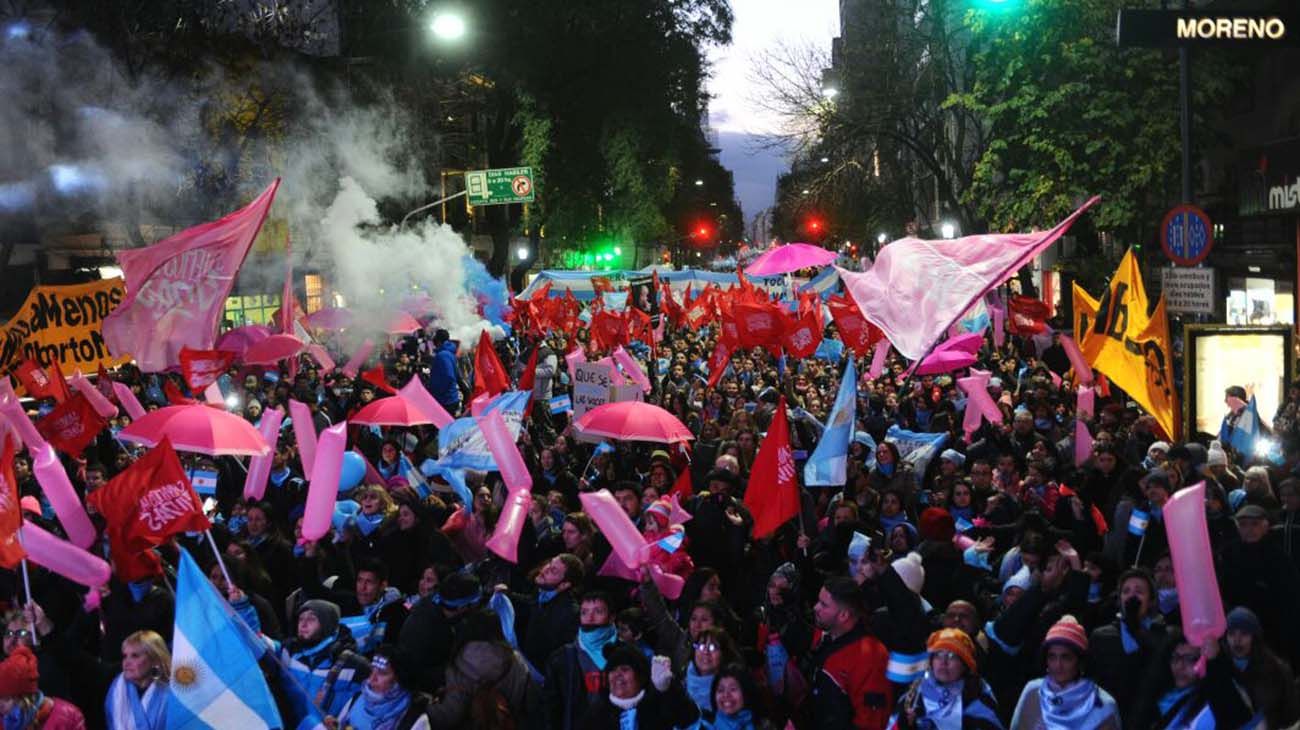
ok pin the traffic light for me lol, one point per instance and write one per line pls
(814, 226)
(702, 232)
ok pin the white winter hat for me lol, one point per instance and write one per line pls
(909, 568)
(1215, 455)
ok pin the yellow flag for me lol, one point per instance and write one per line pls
(1118, 338)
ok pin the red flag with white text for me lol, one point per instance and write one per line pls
(201, 368)
(72, 425)
(773, 493)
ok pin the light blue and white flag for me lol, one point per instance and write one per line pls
(916, 448)
(461, 444)
(216, 681)
(204, 481)
(1138, 522)
(561, 404)
(828, 465)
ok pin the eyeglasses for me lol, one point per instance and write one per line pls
(1184, 659)
(707, 646)
(19, 634)
(947, 656)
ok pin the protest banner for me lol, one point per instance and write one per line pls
(62, 324)
(591, 383)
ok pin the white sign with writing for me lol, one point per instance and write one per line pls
(591, 383)
(1188, 290)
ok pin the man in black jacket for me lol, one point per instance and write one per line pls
(574, 674)
(720, 528)
(549, 619)
(430, 630)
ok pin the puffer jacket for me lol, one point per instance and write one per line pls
(479, 664)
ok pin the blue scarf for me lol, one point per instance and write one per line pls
(593, 643)
(550, 476)
(886, 469)
(1126, 637)
(743, 720)
(374, 711)
(17, 719)
(1167, 600)
(278, 478)
(1173, 697)
(544, 597)
(308, 654)
(699, 687)
(1094, 593)
(369, 523)
(1078, 706)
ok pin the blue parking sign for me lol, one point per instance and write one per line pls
(1186, 235)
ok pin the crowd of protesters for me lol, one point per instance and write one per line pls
(999, 586)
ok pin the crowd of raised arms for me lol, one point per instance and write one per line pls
(994, 584)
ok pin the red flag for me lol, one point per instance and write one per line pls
(144, 506)
(41, 383)
(757, 324)
(11, 515)
(638, 325)
(376, 377)
(608, 330)
(1027, 316)
(528, 377)
(718, 362)
(601, 284)
(773, 493)
(489, 374)
(803, 335)
(201, 368)
(58, 384)
(682, 487)
(855, 331)
(72, 425)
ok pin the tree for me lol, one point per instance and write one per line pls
(1069, 115)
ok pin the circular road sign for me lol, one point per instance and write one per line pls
(522, 186)
(1186, 235)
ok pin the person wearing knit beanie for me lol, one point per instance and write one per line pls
(911, 571)
(327, 619)
(951, 693)
(18, 673)
(936, 525)
(21, 703)
(1063, 698)
(660, 510)
(1016, 585)
(958, 643)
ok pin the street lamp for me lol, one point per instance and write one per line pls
(699, 182)
(448, 26)
(618, 250)
(825, 160)
(830, 92)
(522, 253)
(882, 238)
(948, 229)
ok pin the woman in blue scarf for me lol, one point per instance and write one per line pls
(713, 648)
(1176, 696)
(1064, 699)
(137, 699)
(387, 701)
(951, 695)
(735, 701)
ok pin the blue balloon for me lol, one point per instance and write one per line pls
(352, 471)
(345, 512)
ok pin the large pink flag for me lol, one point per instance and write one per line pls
(176, 288)
(918, 289)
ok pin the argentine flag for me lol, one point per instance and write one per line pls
(215, 681)
(1138, 522)
(828, 465)
(1242, 435)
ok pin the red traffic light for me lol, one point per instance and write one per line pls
(702, 232)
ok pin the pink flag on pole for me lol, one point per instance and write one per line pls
(1083, 407)
(632, 368)
(1082, 371)
(177, 288)
(878, 359)
(899, 295)
(358, 359)
(1082, 443)
(304, 432)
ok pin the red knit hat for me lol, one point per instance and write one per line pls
(18, 673)
(936, 525)
(1068, 632)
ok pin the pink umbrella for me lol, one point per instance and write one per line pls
(240, 339)
(272, 350)
(198, 428)
(391, 411)
(401, 323)
(330, 318)
(633, 421)
(790, 257)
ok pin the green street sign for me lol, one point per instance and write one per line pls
(499, 186)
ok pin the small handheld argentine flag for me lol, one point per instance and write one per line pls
(561, 404)
(964, 525)
(604, 447)
(1137, 522)
(671, 543)
(204, 481)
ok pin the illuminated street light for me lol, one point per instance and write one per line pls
(699, 182)
(522, 253)
(830, 92)
(618, 250)
(882, 238)
(825, 160)
(948, 229)
(448, 26)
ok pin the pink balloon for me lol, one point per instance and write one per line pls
(129, 402)
(632, 368)
(1082, 443)
(999, 325)
(323, 491)
(1083, 406)
(259, 469)
(669, 584)
(17, 417)
(321, 357)
(1082, 370)
(54, 480)
(64, 558)
(304, 431)
(505, 538)
(505, 452)
(614, 523)
(416, 395)
(878, 359)
(7, 388)
(102, 406)
(1189, 547)
(577, 357)
(358, 359)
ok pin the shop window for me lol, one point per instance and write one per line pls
(314, 288)
(1260, 301)
(251, 309)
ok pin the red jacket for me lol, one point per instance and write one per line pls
(57, 714)
(850, 688)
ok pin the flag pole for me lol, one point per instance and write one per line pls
(225, 573)
(27, 590)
